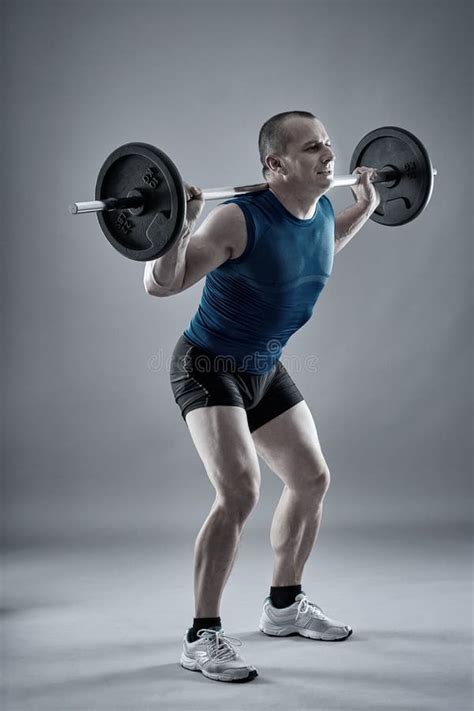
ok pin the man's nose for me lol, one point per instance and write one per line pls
(330, 155)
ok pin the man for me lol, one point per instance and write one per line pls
(267, 256)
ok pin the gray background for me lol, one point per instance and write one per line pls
(97, 457)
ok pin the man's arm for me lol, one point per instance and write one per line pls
(350, 220)
(162, 274)
(222, 236)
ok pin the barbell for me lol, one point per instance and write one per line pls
(140, 198)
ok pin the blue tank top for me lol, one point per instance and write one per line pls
(252, 305)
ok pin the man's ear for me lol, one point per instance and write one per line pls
(275, 164)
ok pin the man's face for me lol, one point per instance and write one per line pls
(309, 158)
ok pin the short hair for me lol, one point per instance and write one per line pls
(273, 136)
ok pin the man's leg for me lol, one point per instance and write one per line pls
(289, 444)
(223, 441)
(211, 402)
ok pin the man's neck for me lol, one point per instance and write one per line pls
(302, 206)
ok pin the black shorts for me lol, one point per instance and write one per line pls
(201, 379)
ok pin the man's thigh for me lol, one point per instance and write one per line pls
(289, 444)
(223, 441)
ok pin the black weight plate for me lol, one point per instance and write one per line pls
(149, 234)
(387, 147)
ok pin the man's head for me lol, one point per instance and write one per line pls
(294, 146)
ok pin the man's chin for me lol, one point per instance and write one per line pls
(323, 183)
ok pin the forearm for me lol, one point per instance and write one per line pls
(350, 221)
(164, 276)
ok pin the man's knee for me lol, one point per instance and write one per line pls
(314, 481)
(240, 497)
(323, 479)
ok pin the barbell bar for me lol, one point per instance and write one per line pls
(77, 208)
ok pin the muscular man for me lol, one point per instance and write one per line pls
(266, 257)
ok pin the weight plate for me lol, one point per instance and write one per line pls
(392, 147)
(144, 234)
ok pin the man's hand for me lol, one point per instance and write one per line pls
(350, 220)
(365, 191)
(194, 206)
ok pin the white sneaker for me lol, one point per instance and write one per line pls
(303, 618)
(213, 655)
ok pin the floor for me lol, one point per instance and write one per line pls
(96, 625)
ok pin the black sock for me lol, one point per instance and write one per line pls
(285, 595)
(201, 623)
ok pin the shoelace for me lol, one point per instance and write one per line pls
(219, 645)
(306, 606)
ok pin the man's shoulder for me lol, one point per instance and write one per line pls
(231, 224)
(326, 204)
